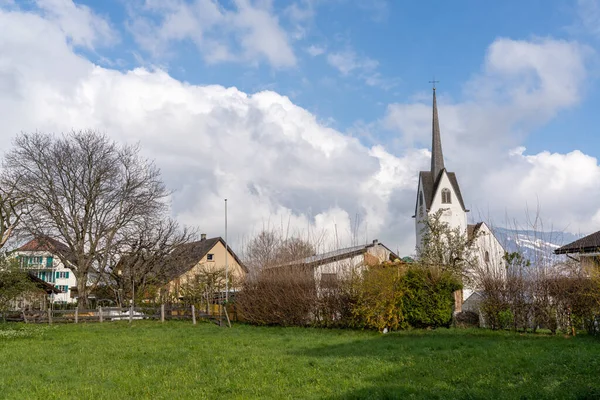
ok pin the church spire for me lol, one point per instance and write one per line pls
(437, 157)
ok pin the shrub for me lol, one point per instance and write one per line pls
(379, 299)
(467, 319)
(428, 300)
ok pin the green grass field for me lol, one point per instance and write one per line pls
(179, 360)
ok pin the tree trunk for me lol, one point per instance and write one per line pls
(82, 295)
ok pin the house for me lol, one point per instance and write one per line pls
(328, 267)
(438, 191)
(190, 259)
(40, 257)
(585, 250)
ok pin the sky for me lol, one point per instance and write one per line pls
(313, 117)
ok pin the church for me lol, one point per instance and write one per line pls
(438, 189)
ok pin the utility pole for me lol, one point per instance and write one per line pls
(226, 258)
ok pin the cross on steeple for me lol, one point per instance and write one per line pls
(434, 82)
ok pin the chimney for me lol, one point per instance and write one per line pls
(375, 241)
(202, 236)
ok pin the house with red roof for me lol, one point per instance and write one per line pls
(41, 258)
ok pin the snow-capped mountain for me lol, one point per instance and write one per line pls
(534, 245)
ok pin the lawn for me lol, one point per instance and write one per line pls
(178, 360)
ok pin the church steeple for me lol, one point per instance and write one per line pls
(437, 157)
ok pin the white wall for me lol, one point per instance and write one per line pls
(57, 267)
(453, 213)
(493, 264)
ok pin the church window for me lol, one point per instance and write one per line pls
(486, 256)
(421, 198)
(446, 196)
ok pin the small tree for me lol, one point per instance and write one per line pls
(15, 284)
(203, 287)
(446, 249)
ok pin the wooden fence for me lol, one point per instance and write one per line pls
(105, 314)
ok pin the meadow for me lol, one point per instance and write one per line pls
(178, 360)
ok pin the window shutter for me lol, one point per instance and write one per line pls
(49, 261)
(67, 274)
(57, 274)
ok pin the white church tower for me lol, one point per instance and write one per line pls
(438, 188)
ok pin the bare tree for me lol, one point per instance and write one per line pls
(145, 256)
(86, 191)
(269, 248)
(11, 209)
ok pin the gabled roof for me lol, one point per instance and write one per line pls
(335, 255)
(430, 187)
(472, 230)
(45, 243)
(186, 256)
(587, 244)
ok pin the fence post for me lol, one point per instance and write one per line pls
(193, 315)
(24, 316)
(162, 313)
(50, 315)
(77, 315)
(100, 314)
(131, 313)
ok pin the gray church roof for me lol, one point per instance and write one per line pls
(431, 179)
(430, 187)
(437, 157)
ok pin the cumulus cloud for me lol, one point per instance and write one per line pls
(249, 32)
(522, 85)
(79, 23)
(274, 161)
(278, 165)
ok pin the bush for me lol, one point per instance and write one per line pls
(428, 300)
(379, 293)
(391, 296)
(467, 319)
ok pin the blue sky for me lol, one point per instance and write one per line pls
(318, 112)
(410, 41)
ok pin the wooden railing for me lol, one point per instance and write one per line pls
(105, 314)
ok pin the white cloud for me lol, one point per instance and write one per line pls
(249, 32)
(588, 12)
(522, 85)
(79, 23)
(314, 50)
(271, 159)
(277, 164)
(348, 61)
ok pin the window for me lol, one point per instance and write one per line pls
(33, 260)
(486, 256)
(421, 198)
(49, 261)
(446, 196)
(62, 275)
(63, 288)
(210, 257)
(328, 280)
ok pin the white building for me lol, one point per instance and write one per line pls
(329, 267)
(438, 189)
(40, 257)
